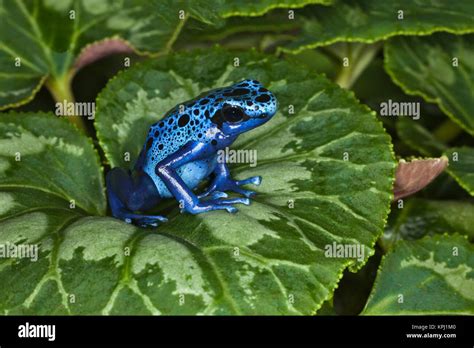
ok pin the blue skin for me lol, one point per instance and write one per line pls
(181, 150)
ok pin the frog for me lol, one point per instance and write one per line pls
(180, 153)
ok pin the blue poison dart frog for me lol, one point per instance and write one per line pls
(181, 149)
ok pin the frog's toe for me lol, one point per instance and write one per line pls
(218, 194)
(254, 180)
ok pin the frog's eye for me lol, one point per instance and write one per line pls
(232, 114)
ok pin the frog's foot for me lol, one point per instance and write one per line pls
(254, 180)
(216, 204)
(225, 183)
(142, 220)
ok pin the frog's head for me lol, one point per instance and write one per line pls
(242, 107)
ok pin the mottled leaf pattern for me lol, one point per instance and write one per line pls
(300, 157)
(373, 20)
(433, 275)
(41, 153)
(440, 68)
(50, 177)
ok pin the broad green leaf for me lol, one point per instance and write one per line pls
(439, 68)
(373, 20)
(266, 31)
(254, 261)
(434, 275)
(419, 217)
(46, 158)
(50, 177)
(461, 166)
(213, 12)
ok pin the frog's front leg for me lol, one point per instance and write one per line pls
(224, 182)
(166, 170)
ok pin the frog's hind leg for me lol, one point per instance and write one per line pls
(129, 193)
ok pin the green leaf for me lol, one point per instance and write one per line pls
(45, 157)
(373, 20)
(280, 250)
(240, 30)
(419, 217)
(433, 275)
(231, 8)
(49, 178)
(461, 166)
(439, 68)
(245, 17)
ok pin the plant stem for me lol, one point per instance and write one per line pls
(447, 131)
(360, 56)
(60, 89)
